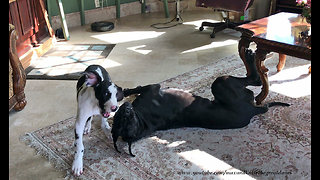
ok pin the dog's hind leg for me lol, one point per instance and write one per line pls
(254, 77)
(140, 89)
(88, 125)
(130, 152)
(115, 139)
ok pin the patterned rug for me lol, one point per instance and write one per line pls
(275, 145)
(67, 61)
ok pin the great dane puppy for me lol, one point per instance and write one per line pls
(96, 95)
(159, 109)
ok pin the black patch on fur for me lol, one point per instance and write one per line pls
(76, 135)
(102, 93)
(88, 118)
(80, 82)
(119, 94)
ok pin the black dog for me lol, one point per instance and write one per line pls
(160, 109)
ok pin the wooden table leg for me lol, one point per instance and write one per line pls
(282, 62)
(262, 70)
(242, 46)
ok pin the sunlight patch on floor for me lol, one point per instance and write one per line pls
(211, 165)
(212, 45)
(122, 37)
(139, 50)
(167, 143)
(294, 82)
(175, 144)
(109, 63)
(70, 66)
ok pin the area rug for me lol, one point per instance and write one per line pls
(67, 61)
(275, 145)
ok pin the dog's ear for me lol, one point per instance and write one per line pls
(91, 79)
(95, 74)
(119, 94)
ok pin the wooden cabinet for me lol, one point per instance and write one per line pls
(27, 17)
(32, 27)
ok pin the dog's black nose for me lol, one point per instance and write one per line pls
(114, 108)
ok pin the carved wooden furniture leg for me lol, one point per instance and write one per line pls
(242, 46)
(19, 79)
(21, 98)
(282, 62)
(263, 72)
(19, 76)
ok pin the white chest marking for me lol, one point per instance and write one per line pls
(87, 102)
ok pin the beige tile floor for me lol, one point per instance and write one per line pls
(143, 55)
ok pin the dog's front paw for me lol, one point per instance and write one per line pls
(77, 167)
(107, 132)
(106, 127)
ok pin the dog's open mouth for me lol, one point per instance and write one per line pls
(106, 114)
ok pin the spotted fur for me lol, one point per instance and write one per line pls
(97, 95)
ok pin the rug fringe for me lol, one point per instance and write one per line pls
(41, 149)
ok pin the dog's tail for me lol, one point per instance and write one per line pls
(266, 106)
(277, 104)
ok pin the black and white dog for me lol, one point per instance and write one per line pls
(96, 95)
(160, 109)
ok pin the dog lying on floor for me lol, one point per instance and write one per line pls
(161, 109)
